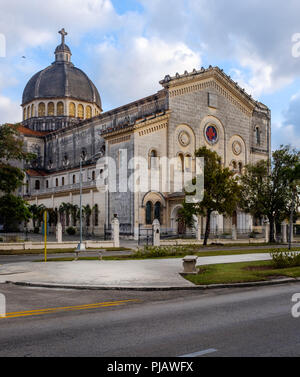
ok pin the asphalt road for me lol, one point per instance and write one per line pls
(232, 322)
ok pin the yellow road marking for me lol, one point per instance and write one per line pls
(66, 308)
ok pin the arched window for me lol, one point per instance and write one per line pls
(63, 181)
(180, 166)
(74, 179)
(149, 213)
(72, 109)
(50, 111)
(60, 109)
(234, 165)
(56, 182)
(188, 162)
(88, 112)
(93, 175)
(41, 109)
(47, 183)
(157, 211)
(32, 111)
(257, 135)
(152, 155)
(37, 184)
(28, 112)
(24, 114)
(240, 167)
(80, 112)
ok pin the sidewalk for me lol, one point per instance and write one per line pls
(151, 273)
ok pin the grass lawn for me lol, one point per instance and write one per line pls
(240, 273)
(57, 251)
(179, 255)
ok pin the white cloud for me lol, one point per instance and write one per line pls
(133, 71)
(10, 112)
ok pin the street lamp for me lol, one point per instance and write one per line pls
(81, 245)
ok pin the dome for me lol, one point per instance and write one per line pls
(61, 80)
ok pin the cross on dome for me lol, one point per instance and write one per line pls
(63, 33)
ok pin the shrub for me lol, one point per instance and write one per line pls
(165, 251)
(285, 259)
(71, 231)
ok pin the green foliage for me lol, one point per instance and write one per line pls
(11, 149)
(13, 210)
(221, 190)
(285, 259)
(165, 251)
(37, 213)
(71, 231)
(266, 187)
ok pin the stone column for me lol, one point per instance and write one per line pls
(156, 232)
(115, 227)
(234, 232)
(284, 233)
(59, 232)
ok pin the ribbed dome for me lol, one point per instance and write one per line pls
(60, 80)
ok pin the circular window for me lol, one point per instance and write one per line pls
(237, 148)
(211, 134)
(184, 138)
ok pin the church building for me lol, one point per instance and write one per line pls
(64, 123)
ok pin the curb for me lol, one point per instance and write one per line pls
(152, 289)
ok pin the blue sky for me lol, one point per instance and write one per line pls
(127, 46)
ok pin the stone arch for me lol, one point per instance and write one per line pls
(184, 139)
(175, 225)
(153, 196)
(237, 149)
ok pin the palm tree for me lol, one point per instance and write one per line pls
(37, 213)
(86, 211)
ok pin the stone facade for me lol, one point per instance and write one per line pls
(183, 116)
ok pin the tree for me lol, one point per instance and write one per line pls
(86, 212)
(11, 149)
(13, 210)
(266, 189)
(37, 212)
(221, 190)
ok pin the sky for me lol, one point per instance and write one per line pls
(127, 46)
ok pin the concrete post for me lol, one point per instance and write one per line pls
(59, 232)
(156, 232)
(284, 233)
(267, 231)
(115, 227)
(234, 232)
(198, 230)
